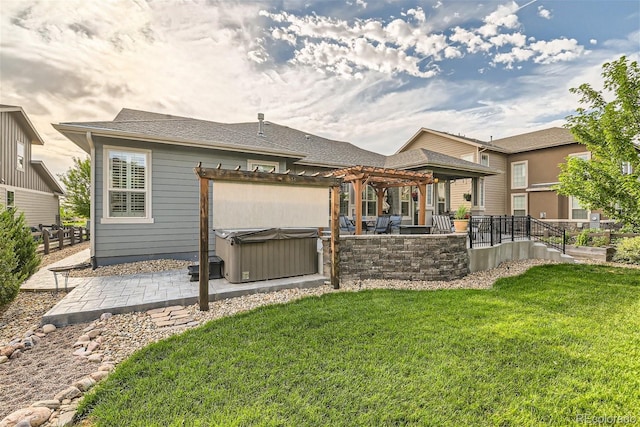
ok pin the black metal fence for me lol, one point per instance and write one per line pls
(495, 229)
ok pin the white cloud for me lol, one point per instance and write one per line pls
(517, 54)
(516, 39)
(556, 50)
(473, 42)
(593, 41)
(544, 13)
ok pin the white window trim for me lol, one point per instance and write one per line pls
(24, 160)
(106, 219)
(526, 202)
(251, 164)
(571, 218)
(476, 196)
(526, 174)
(483, 155)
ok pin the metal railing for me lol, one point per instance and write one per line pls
(495, 229)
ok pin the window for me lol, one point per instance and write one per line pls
(128, 187)
(369, 202)
(484, 159)
(577, 211)
(20, 158)
(263, 166)
(429, 194)
(478, 192)
(519, 204)
(467, 157)
(442, 198)
(11, 199)
(519, 175)
(405, 201)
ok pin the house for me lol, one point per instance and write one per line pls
(530, 163)
(25, 184)
(145, 195)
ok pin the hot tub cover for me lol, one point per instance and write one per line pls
(264, 234)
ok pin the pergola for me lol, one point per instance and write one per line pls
(380, 179)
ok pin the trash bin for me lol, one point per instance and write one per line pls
(261, 254)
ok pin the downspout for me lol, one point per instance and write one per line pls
(92, 213)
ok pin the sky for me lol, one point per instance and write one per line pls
(368, 72)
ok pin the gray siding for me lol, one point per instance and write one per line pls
(10, 132)
(175, 204)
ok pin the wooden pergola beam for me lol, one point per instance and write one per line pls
(266, 177)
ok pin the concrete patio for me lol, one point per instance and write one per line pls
(89, 297)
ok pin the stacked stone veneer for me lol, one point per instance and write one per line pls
(400, 257)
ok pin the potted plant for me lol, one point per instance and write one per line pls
(461, 219)
(467, 197)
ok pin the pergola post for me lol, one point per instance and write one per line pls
(422, 198)
(204, 245)
(357, 188)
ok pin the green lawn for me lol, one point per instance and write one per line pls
(544, 348)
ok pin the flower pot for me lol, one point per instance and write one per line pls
(461, 225)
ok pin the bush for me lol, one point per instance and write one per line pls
(24, 247)
(585, 238)
(9, 284)
(628, 251)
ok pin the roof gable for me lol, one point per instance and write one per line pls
(545, 138)
(22, 118)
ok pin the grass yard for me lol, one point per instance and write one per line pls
(556, 346)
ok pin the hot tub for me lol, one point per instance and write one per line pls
(249, 255)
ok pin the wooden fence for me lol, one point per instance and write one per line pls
(58, 238)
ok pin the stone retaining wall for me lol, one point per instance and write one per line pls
(400, 257)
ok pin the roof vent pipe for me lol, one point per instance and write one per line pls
(260, 124)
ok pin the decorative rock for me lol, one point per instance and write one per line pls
(29, 333)
(79, 344)
(93, 345)
(83, 338)
(24, 423)
(108, 367)
(51, 404)
(85, 383)
(41, 334)
(65, 419)
(68, 393)
(16, 354)
(34, 416)
(48, 328)
(97, 357)
(81, 352)
(6, 350)
(89, 328)
(94, 333)
(99, 375)
(105, 316)
(3, 359)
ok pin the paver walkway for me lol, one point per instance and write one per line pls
(92, 296)
(43, 280)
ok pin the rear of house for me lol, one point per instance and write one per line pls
(25, 184)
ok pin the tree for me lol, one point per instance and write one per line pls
(77, 181)
(610, 129)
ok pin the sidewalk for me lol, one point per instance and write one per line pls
(43, 279)
(92, 296)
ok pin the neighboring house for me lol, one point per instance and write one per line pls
(145, 195)
(25, 184)
(531, 165)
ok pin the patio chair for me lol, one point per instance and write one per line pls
(482, 228)
(442, 224)
(383, 225)
(395, 221)
(346, 226)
